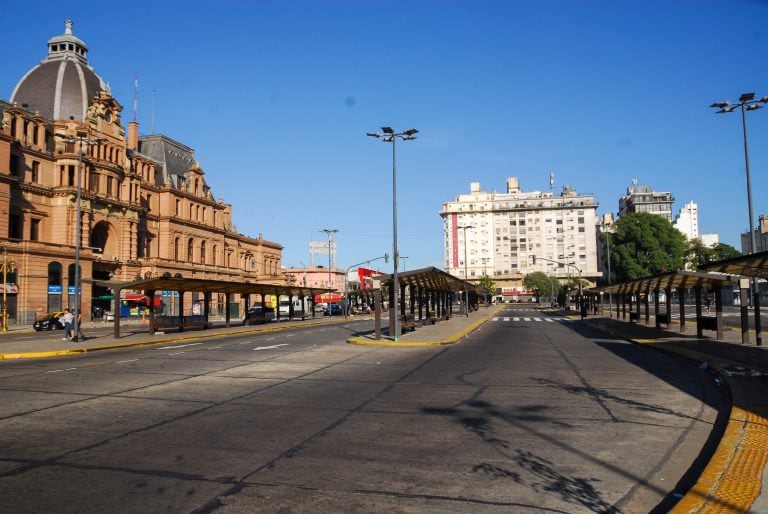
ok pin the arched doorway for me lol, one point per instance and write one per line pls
(102, 299)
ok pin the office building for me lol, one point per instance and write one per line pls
(644, 199)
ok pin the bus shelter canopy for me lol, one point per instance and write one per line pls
(754, 265)
(430, 278)
(674, 280)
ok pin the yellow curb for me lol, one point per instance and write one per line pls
(732, 479)
(448, 340)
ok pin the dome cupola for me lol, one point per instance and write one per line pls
(63, 84)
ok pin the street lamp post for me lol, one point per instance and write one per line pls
(747, 102)
(581, 300)
(329, 232)
(388, 135)
(346, 273)
(8, 267)
(81, 138)
(466, 278)
(610, 296)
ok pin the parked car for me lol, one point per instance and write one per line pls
(257, 314)
(49, 322)
(334, 310)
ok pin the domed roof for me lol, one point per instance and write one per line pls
(63, 84)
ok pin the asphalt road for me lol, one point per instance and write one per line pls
(525, 416)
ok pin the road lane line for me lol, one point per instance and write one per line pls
(269, 347)
(177, 346)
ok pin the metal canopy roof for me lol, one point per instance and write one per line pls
(673, 280)
(208, 286)
(431, 278)
(754, 265)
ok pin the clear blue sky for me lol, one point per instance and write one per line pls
(276, 97)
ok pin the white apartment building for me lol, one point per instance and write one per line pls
(498, 234)
(687, 222)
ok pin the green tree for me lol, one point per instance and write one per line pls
(488, 283)
(645, 244)
(546, 285)
(722, 251)
(696, 254)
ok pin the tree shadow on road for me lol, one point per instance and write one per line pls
(535, 472)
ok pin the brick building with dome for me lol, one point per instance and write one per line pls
(146, 208)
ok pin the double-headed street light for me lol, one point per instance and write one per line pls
(80, 137)
(329, 232)
(747, 102)
(466, 277)
(565, 263)
(388, 135)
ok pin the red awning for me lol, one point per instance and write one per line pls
(142, 299)
(328, 298)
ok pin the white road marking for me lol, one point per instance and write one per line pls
(60, 370)
(130, 360)
(269, 347)
(177, 346)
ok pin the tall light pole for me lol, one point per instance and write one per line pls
(388, 135)
(329, 232)
(81, 137)
(610, 296)
(747, 102)
(563, 263)
(466, 277)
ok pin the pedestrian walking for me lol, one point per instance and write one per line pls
(66, 319)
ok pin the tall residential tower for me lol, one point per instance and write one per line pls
(501, 232)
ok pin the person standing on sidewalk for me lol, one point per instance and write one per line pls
(66, 320)
(80, 335)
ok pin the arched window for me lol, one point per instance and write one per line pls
(176, 249)
(54, 274)
(214, 255)
(202, 252)
(190, 250)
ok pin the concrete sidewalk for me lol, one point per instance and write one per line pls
(732, 480)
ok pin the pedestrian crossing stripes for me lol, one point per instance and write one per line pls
(519, 318)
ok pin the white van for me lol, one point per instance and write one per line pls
(300, 305)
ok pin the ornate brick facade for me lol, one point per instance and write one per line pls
(146, 208)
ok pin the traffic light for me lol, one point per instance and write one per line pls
(534, 258)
